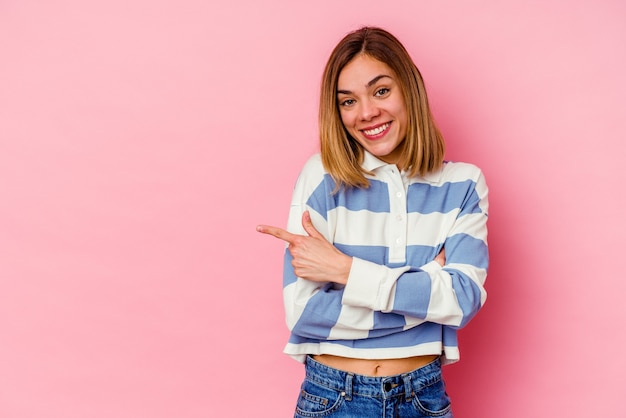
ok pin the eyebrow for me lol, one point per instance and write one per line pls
(369, 84)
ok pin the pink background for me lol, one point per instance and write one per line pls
(142, 141)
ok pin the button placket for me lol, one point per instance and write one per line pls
(397, 222)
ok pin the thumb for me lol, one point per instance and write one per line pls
(307, 224)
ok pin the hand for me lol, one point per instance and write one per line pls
(314, 258)
(441, 257)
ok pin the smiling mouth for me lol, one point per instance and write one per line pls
(378, 130)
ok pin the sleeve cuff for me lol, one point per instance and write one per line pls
(431, 267)
(370, 285)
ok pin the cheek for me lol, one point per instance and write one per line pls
(346, 119)
(401, 112)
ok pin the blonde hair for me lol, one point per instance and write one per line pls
(342, 155)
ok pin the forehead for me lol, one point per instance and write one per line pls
(360, 71)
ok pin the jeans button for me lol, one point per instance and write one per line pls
(387, 386)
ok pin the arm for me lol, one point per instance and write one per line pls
(451, 294)
(314, 272)
(381, 300)
(378, 298)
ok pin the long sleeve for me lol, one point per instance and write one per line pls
(449, 295)
(393, 232)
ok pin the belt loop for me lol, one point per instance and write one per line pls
(408, 387)
(348, 388)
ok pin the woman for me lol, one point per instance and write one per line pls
(387, 243)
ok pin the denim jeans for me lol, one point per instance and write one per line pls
(328, 392)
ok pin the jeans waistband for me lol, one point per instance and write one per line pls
(405, 384)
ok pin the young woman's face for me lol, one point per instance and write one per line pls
(372, 107)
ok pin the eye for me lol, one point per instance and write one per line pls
(347, 102)
(381, 91)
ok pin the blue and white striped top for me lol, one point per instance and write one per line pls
(398, 302)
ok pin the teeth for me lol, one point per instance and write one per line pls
(376, 131)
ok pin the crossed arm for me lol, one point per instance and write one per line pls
(316, 259)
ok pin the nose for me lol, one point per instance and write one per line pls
(368, 110)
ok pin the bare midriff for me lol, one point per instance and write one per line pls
(378, 368)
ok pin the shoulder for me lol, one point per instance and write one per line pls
(313, 166)
(460, 171)
(312, 175)
(468, 177)
(313, 170)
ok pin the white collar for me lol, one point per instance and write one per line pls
(371, 163)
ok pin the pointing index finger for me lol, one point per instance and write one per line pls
(276, 232)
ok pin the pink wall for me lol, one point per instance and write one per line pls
(142, 141)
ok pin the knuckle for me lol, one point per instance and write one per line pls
(297, 269)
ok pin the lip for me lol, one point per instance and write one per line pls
(375, 132)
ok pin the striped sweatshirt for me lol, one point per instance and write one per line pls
(398, 302)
